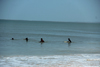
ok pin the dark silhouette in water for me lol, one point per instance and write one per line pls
(69, 41)
(42, 40)
(26, 39)
(12, 38)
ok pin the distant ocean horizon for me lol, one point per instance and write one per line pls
(46, 21)
(84, 49)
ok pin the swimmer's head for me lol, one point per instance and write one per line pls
(12, 38)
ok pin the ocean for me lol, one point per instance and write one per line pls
(83, 51)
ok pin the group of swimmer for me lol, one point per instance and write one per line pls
(42, 41)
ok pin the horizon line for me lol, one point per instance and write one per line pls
(48, 21)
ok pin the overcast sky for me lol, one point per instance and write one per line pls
(51, 10)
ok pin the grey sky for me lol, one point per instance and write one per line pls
(51, 10)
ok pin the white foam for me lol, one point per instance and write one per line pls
(53, 61)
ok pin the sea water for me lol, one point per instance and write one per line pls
(85, 44)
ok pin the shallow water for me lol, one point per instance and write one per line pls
(85, 38)
(82, 52)
(77, 60)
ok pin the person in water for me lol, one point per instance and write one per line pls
(42, 40)
(12, 38)
(26, 39)
(69, 41)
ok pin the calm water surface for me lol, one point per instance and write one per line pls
(85, 38)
